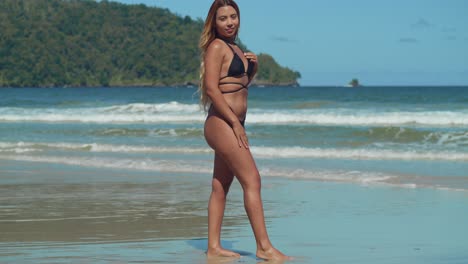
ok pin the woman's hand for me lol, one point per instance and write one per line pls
(251, 56)
(239, 131)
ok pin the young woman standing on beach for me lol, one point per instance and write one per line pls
(225, 75)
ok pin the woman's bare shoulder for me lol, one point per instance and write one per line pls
(216, 46)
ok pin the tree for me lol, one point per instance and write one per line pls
(354, 82)
(105, 43)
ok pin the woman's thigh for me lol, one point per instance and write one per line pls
(222, 139)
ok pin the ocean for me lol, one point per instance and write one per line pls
(350, 175)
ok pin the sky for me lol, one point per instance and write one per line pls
(379, 42)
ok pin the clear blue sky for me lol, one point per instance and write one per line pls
(399, 42)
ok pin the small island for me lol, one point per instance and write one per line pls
(354, 83)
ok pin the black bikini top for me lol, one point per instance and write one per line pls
(237, 69)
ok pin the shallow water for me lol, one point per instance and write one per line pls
(107, 216)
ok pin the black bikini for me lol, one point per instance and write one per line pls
(237, 69)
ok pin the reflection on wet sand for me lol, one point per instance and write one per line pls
(106, 212)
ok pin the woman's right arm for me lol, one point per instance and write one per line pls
(213, 60)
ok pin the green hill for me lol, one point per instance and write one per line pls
(87, 43)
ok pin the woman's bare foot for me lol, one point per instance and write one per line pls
(272, 254)
(221, 252)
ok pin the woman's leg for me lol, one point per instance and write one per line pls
(222, 179)
(221, 138)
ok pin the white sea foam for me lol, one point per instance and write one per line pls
(334, 176)
(173, 106)
(22, 147)
(73, 116)
(259, 152)
(348, 117)
(175, 112)
(116, 163)
(364, 178)
(369, 178)
(358, 153)
(130, 113)
(453, 139)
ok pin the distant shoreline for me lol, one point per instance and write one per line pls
(252, 86)
(148, 86)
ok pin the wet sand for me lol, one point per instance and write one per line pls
(66, 214)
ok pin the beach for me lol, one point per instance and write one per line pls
(123, 175)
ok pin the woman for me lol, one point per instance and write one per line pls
(225, 75)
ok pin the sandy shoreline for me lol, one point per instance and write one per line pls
(58, 214)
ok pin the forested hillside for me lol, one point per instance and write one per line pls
(88, 43)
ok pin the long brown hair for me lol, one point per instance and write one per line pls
(208, 35)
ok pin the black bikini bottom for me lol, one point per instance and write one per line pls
(241, 121)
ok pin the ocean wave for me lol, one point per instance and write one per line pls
(176, 112)
(370, 178)
(409, 135)
(353, 117)
(175, 132)
(452, 139)
(138, 108)
(328, 175)
(260, 151)
(366, 178)
(358, 154)
(130, 113)
(23, 147)
(116, 163)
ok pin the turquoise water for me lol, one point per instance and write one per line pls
(366, 175)
(390, 135)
